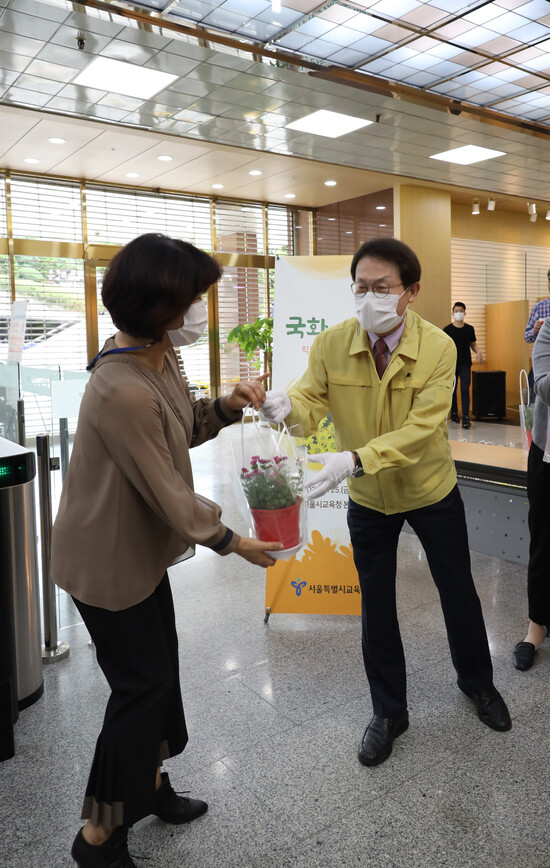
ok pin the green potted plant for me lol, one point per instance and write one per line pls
(273, 489)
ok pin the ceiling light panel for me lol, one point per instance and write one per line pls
(127, 79)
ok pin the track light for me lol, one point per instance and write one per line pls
(533, 217)
(475, 206)
(491, 205)
(532, 208)
(547, 215)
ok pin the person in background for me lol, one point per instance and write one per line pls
(536, 318)
(538, 488)
(128, 511)
(464, 336)
(386, 375)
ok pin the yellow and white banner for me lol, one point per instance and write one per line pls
(311, 294)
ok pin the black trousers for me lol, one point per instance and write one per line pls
(464, 374)
(538, 570)
(442, 531)
(137, 650)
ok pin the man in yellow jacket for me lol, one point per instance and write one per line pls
(386, 375)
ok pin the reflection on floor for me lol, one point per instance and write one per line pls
(275, 713)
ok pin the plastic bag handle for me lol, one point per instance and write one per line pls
(524, 372)
(276, 441)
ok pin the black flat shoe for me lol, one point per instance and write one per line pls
(377, 742)
(112, 854)
(174, 808)
(524, 655)
(490, 706)
(466, 422)
(455, 417)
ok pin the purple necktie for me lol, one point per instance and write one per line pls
(380, 360)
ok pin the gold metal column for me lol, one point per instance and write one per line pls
(9, 223)
(214, 318)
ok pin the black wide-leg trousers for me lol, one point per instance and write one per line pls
(538, 570)
(144, 723)
(441, 529)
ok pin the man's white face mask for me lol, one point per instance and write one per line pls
(379, 315)
(194, 324)
(458, 315)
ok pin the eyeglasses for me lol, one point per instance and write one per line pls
(380, 290)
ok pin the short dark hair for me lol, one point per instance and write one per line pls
(394, 251)
(459, 304)
(152, 280)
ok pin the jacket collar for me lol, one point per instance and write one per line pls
(407, 346)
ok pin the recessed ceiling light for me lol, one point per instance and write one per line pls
(380, 207)
(31, 160)
(165, 158)
(117, 76)
(132, 175)
(55, 141)
(217, 186)
(255, 172)
(290, 195)
(467, 155)
(330, 183)
(330, 124)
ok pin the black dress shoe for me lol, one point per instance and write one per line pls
(490, 706)
(377, 742)
(466, 422)
(174, 808)
(455, 417)
(112, 854)
(524, 655)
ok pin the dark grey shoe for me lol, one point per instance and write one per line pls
(377, 742)
(175, 808)
(112, 854)
(490, 706)
(524, 655)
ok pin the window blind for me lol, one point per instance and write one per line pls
(55, 335)
(117, 216)
(242, 296)
(239, 227)
(3, 220)
(46, 210)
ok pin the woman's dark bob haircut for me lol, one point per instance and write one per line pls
(394, 251)
(153, 280)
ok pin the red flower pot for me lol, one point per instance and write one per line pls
(278, 525)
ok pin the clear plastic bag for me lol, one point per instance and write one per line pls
(269, 477)
(525, 412)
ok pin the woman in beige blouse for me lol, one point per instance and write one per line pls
(128, 511)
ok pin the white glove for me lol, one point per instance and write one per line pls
(276, 407)
(338, 466)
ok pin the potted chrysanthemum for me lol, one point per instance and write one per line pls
(273, 489)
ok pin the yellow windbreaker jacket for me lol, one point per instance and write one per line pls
(396, 424)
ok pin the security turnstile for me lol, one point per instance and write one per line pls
(20, 645)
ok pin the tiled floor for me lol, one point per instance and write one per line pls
(275, 713)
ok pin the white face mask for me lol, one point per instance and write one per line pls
(378, 315)
(458, 315)
(194, 324)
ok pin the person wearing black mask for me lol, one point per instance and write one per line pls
(464, 336)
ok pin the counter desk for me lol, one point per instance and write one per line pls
(493, 484)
